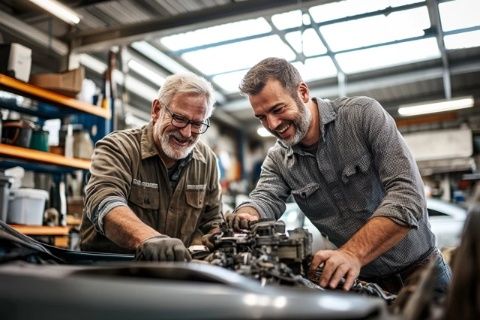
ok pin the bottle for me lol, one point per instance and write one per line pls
(62, 204)
(69, 142)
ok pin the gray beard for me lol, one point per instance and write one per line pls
(301, 123)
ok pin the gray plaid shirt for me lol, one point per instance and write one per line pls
(362, 169)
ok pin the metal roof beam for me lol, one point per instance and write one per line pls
(235, 11)
(33, 34)
(373, 83)
(436, 27)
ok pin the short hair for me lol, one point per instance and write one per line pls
(271, 69)
(186, 83)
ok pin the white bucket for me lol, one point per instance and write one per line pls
(26, 206)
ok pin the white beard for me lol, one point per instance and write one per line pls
(175, 153)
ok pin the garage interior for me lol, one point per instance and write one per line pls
(402, 53)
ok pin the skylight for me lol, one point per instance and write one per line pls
(234, 30)
(387, 56)
(229, 82)
(316, 68)
(238, 56)
(335, 10)
(225, 52)
(459, 14)
(287, 20)
(309, 43)
(376, 29)
(463, 40)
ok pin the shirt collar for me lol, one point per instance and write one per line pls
(327, 114)
(148, 148)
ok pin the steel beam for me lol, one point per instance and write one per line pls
(234, 11)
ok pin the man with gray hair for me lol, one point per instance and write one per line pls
(155, 190)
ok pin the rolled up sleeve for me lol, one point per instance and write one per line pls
(404, 200)
(109, 182)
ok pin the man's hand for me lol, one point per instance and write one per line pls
(209, 238)
(241, 220)
(337, 265)
(162, 248)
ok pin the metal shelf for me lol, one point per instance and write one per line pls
(43, 157)
(35, 92)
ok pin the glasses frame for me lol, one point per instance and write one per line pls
(185, 122)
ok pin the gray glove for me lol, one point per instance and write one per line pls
(162, 248)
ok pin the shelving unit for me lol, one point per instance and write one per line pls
(52, 105)
(25, 89)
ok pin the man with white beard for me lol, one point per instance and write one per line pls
(155, 190)
(351, 173)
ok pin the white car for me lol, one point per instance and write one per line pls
(446, 220)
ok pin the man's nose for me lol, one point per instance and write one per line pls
(273, 121)
(186, 131)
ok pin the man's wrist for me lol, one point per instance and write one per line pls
(248, 210)
(353, 253)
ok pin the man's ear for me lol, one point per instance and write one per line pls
(303, 92)
(155, 112)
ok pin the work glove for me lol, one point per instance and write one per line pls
(162, 248)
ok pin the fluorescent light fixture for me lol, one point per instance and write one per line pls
(58, 10)
(158, 56)
(145, 71)
(262, 132)
(434, 107)
(92, 63)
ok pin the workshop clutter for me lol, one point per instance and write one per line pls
(15, 61)
(20, 205)
(5, 185)
(26, 206)
(68, 83)
(17, 132)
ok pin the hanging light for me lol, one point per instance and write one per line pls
(59, 10)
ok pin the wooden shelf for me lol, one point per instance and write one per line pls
(41, 230)
(43, 157)
(46, 95)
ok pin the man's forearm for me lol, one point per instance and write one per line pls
(124, 228)
(376, 237)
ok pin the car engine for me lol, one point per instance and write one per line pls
(266, 253)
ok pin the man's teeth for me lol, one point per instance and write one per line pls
(283, 129)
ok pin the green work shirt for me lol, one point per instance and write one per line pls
(127, 170)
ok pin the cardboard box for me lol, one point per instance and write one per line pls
(68, 83)
(15, 61)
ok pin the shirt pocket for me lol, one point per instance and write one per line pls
(303, 196)
(146, 198)
(358, 181)
(195, 198)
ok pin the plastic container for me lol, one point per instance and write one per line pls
(39, 140)
(17, 132)
(26, 206)
(5, 185)
(68, 148)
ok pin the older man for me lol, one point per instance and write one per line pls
(155, 190)
(350, 172)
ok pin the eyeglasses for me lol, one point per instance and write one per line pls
(181, 122)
